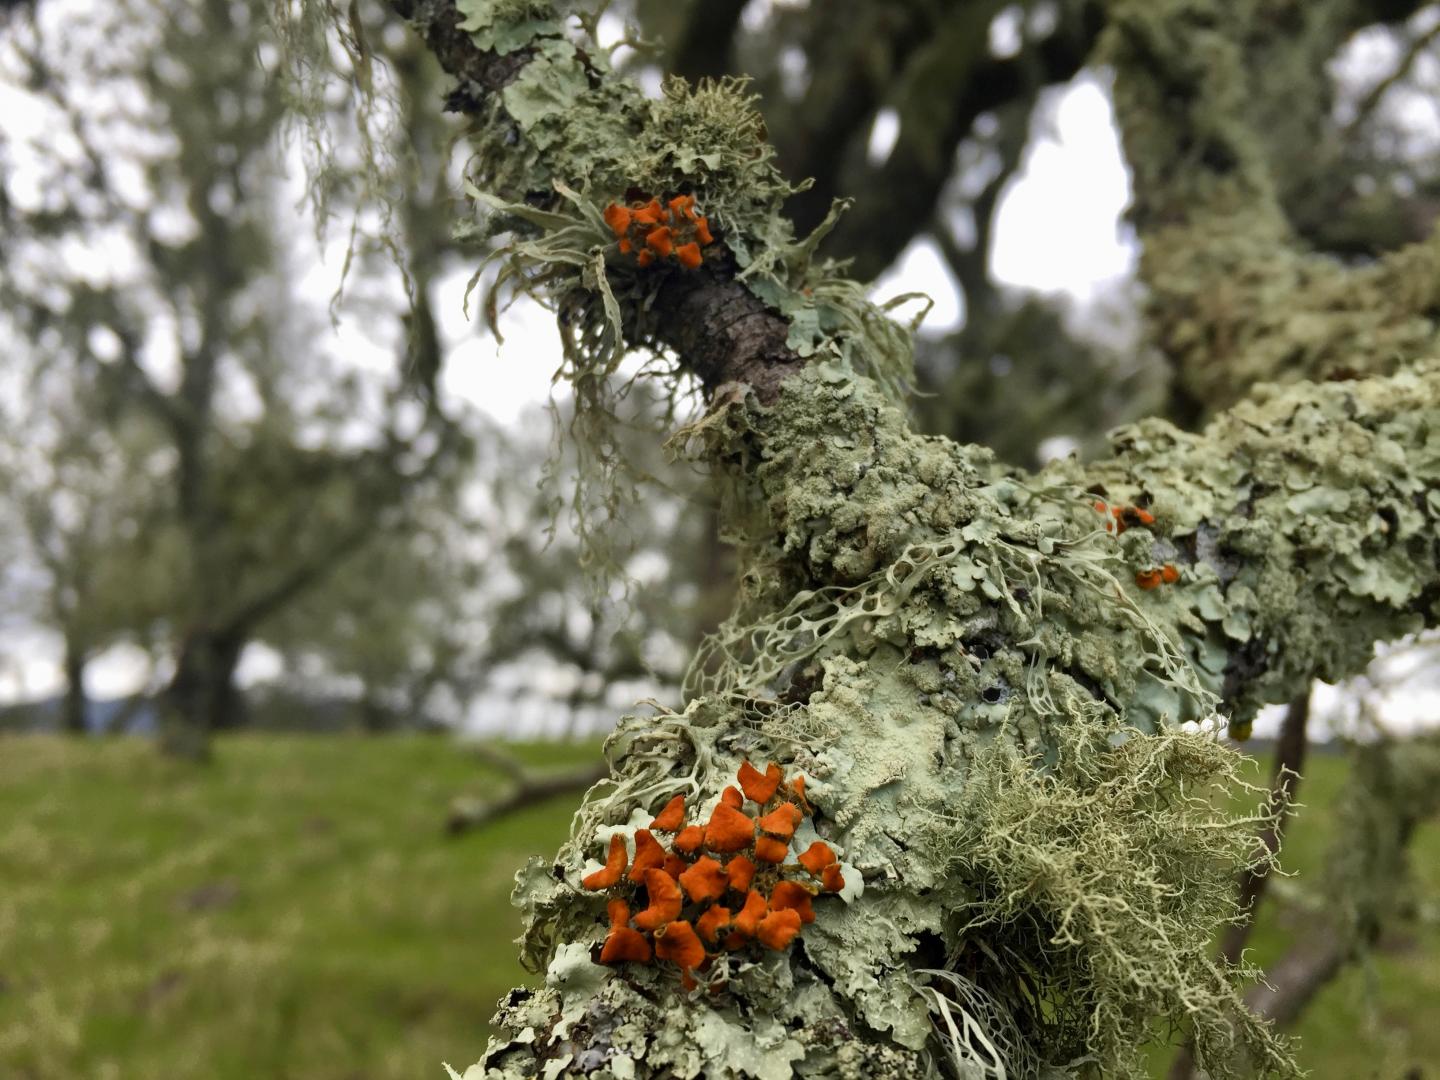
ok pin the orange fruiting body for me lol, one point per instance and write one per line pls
(729, 830)
(672, 817)
(614, 866)
(688, 255)
(781, 821)
(659, 241)
(816, 857)
(697, 905)
(660, 231)
(623, 943)
(678, 943)
(792, 896)
(649, 855)
(751, 914)
(705, 880)
(665, 901)
(758, 786)
(1169, 574)
(741, 872)
(618, 218)
(770, 850)
(1149, 579)
(715, 920)
(778, 929)
(619, 912)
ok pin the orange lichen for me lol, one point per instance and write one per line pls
(678, 943)
(741, 872)
(1125, 517)
(705, 880)
(1169, 574)
(715, 920)
(618, 218)
(729, 830)
(623, 943)
(778, 929)
(816, 857)
(770, 850)
(1149, 579)
(649, 855)
(792, 896)
(750, 915)
(665, 901)
(649, 214)
(797, 787)
(759, 786)
(656, 231)
(782, 820)
(619, 912)
(659, 241)
(672, 817)
(685, 899)
(614, 866)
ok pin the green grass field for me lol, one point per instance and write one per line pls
(294, 910)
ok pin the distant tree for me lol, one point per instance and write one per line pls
(172, 305)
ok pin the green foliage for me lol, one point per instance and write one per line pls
(295, 909)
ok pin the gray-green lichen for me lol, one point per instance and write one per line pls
(989, 708)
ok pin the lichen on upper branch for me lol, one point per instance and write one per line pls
(1234, 297)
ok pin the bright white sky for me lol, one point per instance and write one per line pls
(1059, 230)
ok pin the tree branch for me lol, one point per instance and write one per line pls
(1234, 299)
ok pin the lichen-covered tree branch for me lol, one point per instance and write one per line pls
(939, 798)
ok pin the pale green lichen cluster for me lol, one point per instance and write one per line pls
(1305, 521)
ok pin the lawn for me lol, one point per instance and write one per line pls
(295, 910)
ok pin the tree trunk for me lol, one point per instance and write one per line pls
(74, 703)
(202, 697)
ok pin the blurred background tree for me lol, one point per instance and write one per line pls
(195, 467)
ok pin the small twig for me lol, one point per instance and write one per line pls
(466, 814)
(1371, 101)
